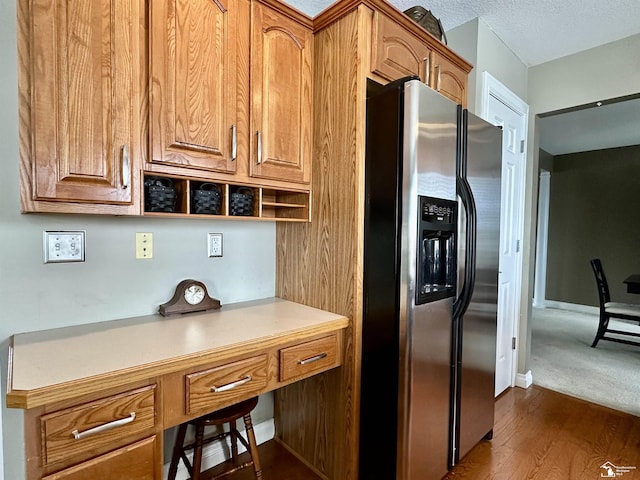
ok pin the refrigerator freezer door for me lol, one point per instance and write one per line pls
(429, 169)
(476, 408)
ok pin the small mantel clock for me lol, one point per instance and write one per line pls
(190, 296)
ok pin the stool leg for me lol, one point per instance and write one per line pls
(197, 452)
(253, 446)
(177, 451)
(233, 432)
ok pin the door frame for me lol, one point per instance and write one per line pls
(491, 87)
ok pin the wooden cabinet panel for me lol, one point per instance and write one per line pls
(194, 83)
(85, 100)
(449, 79)
(134, 462)
(97, 426)
(308, 358)
(211, 389)
(281, 92)
(396, 52)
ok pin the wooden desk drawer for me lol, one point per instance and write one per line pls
(308, 358)
(99, 426)
(214, 388)
(133, 462)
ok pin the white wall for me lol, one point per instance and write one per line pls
(111, 283)
(480, 46)
(607, 71)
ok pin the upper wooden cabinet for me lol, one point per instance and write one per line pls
(281, 96)
(194, 83)
(448, 79)
(396, 53)
(400, 49)
(80, 100)
(231, 86)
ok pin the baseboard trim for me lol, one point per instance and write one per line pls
(574, 307)
(214, 453)
(524, 380)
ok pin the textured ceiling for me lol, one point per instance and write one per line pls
(537, 31)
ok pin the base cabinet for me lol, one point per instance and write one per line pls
(105, 419)
(133, 462)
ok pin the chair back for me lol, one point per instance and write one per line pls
(601, 282)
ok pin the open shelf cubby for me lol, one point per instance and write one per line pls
(169, 196)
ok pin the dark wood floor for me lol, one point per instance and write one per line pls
(539, 435)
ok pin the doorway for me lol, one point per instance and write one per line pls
(502, 107)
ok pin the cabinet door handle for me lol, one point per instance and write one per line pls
(427, 70)
(234, 143)
(259, 149)
(437, 67)
(315, 358)
(103, 428)
(231, 385)
(126, 173)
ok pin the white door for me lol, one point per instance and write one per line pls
(505, 109)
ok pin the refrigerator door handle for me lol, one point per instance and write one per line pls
(469, 204)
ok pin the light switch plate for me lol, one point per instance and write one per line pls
(214, 244)
(64, 246)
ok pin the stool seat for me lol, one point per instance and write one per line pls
(228, 415)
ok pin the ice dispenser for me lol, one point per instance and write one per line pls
(437, 251)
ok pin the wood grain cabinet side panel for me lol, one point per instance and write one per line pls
(194, 84)
(281, 97)
(100, 426)
(133, 462)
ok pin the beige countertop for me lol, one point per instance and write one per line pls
(138, 347)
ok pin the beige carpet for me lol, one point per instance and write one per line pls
(562, 359)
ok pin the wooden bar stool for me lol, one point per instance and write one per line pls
(227, 415)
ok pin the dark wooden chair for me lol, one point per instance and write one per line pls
(228, 415)
(609, 309)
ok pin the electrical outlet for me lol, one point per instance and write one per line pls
(64, 246)
(214, 244)
(144, 245)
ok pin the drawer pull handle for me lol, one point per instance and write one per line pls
(103, 428)
(315, 358)
(231, 385)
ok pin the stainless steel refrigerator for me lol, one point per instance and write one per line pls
(431, 251)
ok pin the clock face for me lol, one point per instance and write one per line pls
(193, 294)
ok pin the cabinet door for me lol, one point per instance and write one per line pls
(397, 53)
(281, 76)
(449, 79)
(85, 99)
(134, 462)
(194, 83)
